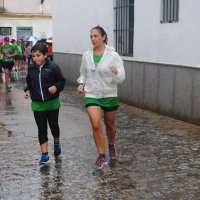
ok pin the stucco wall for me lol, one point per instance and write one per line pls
(170, 90)
(41, 27)
(72, 23)
(163, 75)
(28, 13)
(28, 6)
(170, 43)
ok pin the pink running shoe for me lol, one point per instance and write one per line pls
(100, 163)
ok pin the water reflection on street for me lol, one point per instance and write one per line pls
(157, 157)
(5, 100)
(51, 180)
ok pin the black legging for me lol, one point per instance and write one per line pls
(41, 118)
(29, 60)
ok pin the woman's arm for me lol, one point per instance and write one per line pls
(83, 72)
(118, 70)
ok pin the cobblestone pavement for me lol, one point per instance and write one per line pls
(158, 157)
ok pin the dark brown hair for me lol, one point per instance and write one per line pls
(102, 32)
(41, 47)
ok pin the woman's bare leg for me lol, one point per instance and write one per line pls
(109, 120)
(94, 113)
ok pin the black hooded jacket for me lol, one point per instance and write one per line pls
(40, 79)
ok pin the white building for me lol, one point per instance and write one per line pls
(159, 41)
(26, 17)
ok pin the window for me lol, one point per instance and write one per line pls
(5, 31)
(124, 27)
(170, 11)
(24, 31)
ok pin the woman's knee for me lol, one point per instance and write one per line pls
(96, 127)
(6, 71)
(42, 135)
(110, 125)
(42, 139)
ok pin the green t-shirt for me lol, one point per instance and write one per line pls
(45, 105)
(6, 52)
(18, 49)
(97, 58)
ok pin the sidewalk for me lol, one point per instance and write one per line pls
(158, 157)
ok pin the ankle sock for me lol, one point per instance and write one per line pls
(56, 143)
(102, 155)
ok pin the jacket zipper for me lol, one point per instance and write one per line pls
(41, 84)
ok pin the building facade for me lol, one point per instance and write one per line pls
(158, 41)
(22, 17)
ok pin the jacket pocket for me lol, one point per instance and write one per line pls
(89, 86)
(109, 80)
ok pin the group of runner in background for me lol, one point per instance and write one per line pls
(15, 55)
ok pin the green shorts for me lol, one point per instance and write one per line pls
(107, 104)
(53, 104)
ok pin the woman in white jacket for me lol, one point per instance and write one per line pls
(100, 72)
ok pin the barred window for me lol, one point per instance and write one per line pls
(5, 31)
(170, 11)
(124, 26)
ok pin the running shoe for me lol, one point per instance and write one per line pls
(100, 163)
(44, 159)
(8, 88)
(112, 153)
(57, 150)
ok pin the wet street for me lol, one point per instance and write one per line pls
(158, 157)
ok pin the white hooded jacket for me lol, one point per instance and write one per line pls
(99, 81)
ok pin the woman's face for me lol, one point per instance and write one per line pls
(39, 58)
(96, 38)
(7, 42)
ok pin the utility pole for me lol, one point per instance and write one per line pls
(42, 1)
(2, 6)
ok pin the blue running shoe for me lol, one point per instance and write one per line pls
(44, 159)
(8, 88)
(57, 150)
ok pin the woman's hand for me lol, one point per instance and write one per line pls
(80, 89)
(113, 69)
(27, 94)
(52, 89)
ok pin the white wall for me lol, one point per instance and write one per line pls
(40, 26)
(172, 43)
(72, 21)
(28, 6)
(168, 43)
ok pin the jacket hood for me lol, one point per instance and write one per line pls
(107, 49)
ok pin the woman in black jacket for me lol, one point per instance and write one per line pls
(44, 83)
